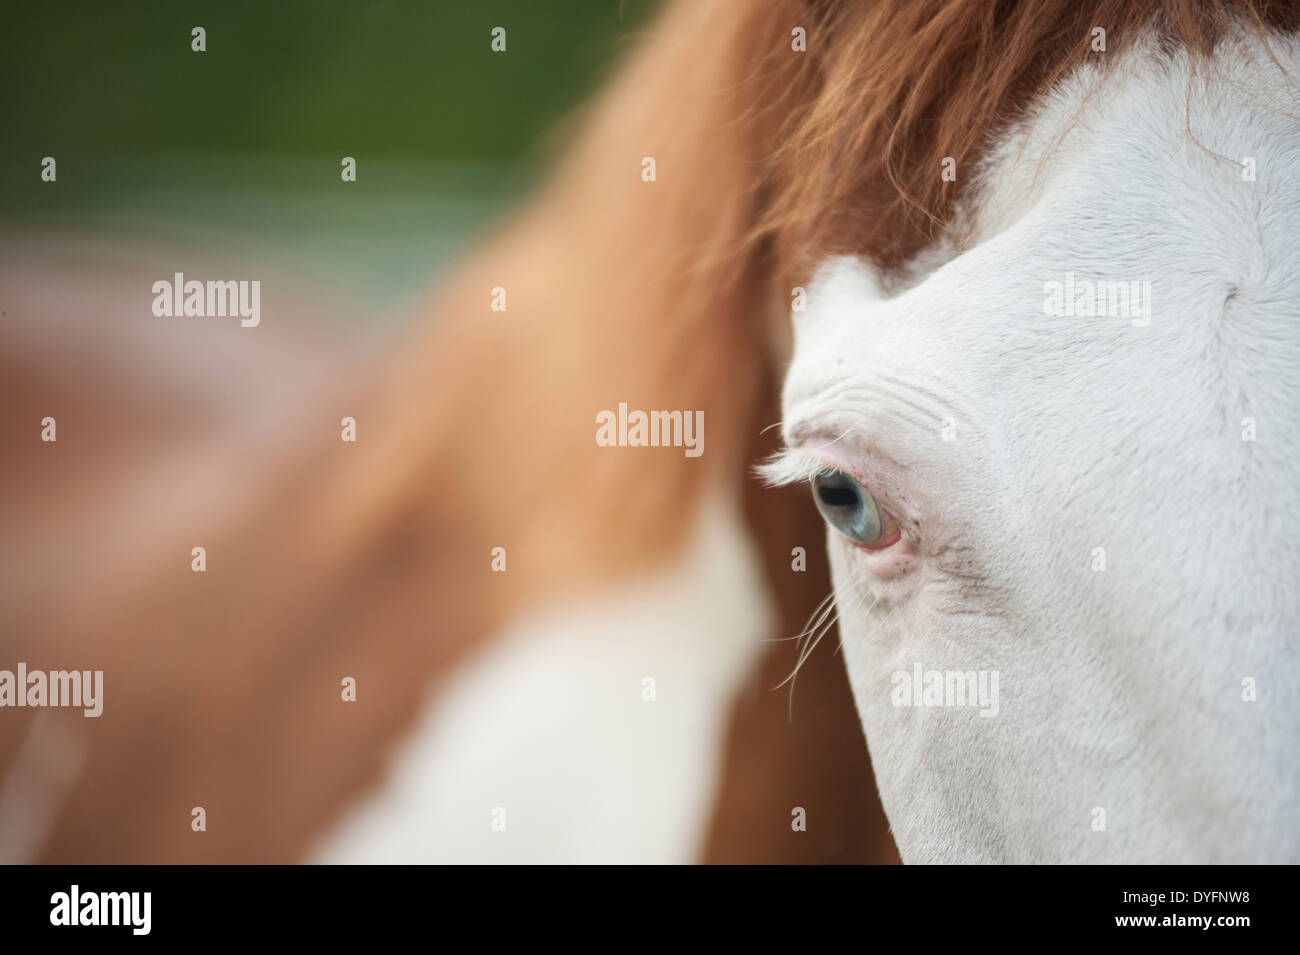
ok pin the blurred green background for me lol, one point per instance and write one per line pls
(239, 147)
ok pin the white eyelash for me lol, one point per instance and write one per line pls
(790, 466)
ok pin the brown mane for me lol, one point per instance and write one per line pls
(855, 130)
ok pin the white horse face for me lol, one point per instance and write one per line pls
(1082, 645)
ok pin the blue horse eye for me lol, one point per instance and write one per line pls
(847, 507)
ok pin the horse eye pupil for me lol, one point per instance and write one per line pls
(833, 496)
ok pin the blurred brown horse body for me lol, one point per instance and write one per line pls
(371, 560)
(223, 686)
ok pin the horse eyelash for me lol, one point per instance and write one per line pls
(790, 466)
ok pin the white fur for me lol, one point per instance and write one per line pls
(549, 724)
(1121, 690)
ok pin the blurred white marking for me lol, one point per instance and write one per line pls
(549, 725)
